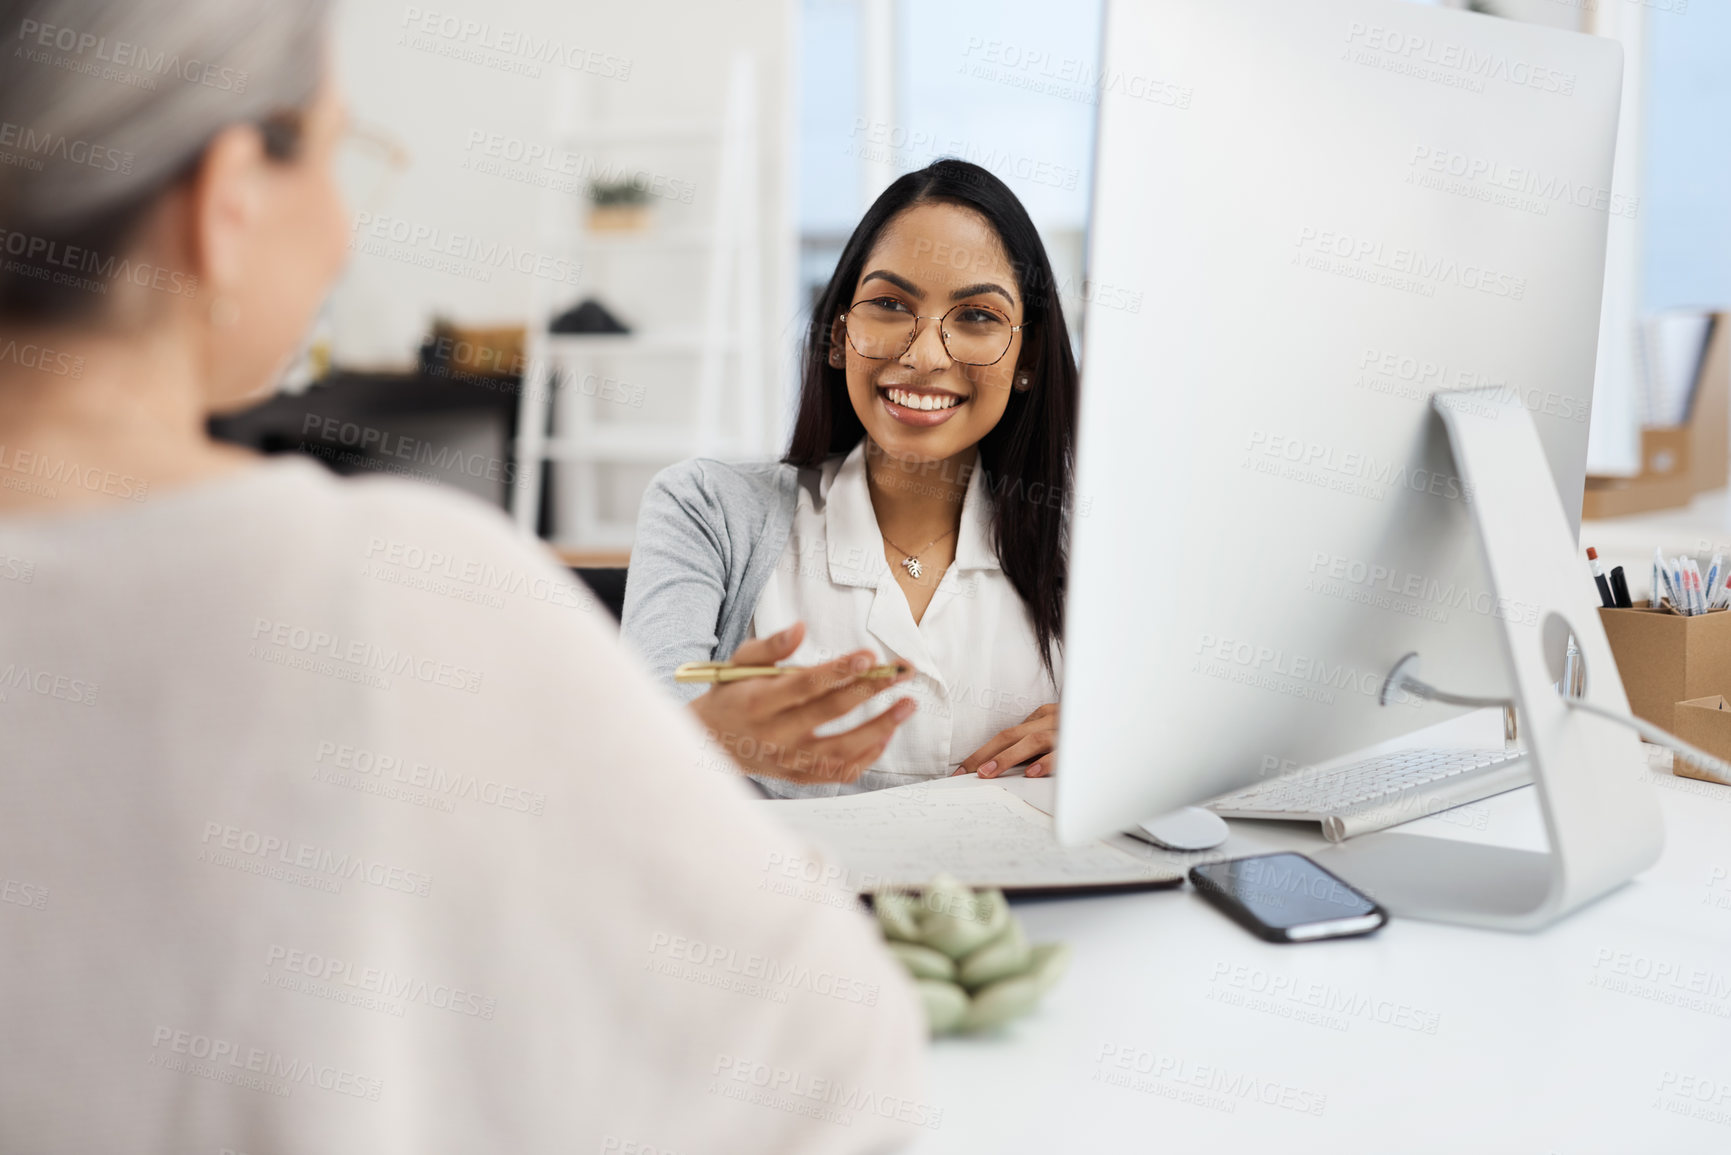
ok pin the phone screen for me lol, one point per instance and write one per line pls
(1286, 890)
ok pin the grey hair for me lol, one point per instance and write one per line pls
(103, 103)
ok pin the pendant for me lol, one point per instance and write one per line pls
(912, 565)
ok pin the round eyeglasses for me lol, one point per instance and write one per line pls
(884, 328)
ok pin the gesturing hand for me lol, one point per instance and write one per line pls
(1034, 737)
(767, 724)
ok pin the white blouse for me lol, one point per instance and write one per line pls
(976, 662)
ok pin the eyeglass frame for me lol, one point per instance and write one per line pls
(284, 129)
(943, 337)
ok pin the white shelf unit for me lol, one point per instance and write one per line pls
(722, 342)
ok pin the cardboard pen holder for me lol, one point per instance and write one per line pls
(1666, 658)
(1704, 722)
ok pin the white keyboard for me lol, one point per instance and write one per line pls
(1376, 793)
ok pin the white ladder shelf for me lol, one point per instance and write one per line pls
(728, 416)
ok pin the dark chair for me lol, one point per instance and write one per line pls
(607, 584)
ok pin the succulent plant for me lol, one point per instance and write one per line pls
(612, 193)
(968, 955)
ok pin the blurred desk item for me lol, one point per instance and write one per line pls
(1678, 460)
(450, 427)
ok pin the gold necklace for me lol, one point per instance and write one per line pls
(911, 562)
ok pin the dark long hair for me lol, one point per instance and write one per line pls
(1028, 457)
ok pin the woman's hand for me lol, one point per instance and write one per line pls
(767, 724)
(1036, 737)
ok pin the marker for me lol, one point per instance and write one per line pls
(1605, 598)
(1664, 572)
(1715, 568)
(1620, 589)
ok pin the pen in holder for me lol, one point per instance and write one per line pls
(1666, 657)
(1574, 683)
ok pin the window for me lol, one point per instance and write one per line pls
(1009, 88)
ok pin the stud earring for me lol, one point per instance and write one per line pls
(1023, 383)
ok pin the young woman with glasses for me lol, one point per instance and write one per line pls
(918, 517)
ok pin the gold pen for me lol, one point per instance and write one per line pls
(728, 672)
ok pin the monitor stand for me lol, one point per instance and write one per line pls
(1600, 812)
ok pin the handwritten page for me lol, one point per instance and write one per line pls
(971, 828)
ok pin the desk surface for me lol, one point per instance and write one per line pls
(1176, 1030)
(1609, 1032)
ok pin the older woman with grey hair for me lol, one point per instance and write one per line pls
(302, 847)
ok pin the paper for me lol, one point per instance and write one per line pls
(973, 829)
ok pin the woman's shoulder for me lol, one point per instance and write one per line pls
(404, 535)
(724, 494)
(384, 504)
(764, 480)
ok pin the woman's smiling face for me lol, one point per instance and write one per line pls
(924, 405)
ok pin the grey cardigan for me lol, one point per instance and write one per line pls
(709, 534)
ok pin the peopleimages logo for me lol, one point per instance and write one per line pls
(1118, 1064)
(525, 161)
(394, 768)
(1468, 63)
(800, 1093)
(1543, 188)
(729, 960)
(1372, 258)
(1374, 475)
(380, 981)
(24, 894)
(462, 254)
(1068, 77)
(361, 655)
(224, 841)
(1417, 378)
(1274, 668)
(58, 146)
(227, 1061)
(88, 269)
(383, 443)
(1376, 577)
(46, 683)
(94, 52)
(525, 46)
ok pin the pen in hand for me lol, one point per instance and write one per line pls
(708, 672)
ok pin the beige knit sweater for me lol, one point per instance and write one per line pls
(333, 818)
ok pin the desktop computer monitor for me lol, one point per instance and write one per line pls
(1323, 212)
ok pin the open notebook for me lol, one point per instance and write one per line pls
(972, 828)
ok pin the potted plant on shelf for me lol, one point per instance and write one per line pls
(618, 206)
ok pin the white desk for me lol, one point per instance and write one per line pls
(1176, 1030)
(1423, 1037)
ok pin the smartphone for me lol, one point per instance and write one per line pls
(1287, 898)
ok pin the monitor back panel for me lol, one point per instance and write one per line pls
(1309, 216)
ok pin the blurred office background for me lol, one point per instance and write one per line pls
(688, 172)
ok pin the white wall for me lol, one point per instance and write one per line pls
(417, 71)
